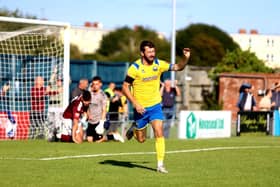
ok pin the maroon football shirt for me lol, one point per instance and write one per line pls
(75, 109)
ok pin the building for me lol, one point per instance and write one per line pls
(88, 37)
(266, 47)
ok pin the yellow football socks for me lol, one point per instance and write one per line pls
(160, 149)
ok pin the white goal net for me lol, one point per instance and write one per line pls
(34, 76)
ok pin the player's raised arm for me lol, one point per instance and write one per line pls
(182, 64)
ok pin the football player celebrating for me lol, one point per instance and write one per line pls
(144, 78)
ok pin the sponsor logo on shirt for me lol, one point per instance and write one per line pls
(149, 78)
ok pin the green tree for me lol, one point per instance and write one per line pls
(208, 44)
(234, 61)
(17, 14)
(240, 61)
(75, 52)
(210, 100)
(123, 44)
(206, 51)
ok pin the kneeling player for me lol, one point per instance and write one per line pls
(74, 112)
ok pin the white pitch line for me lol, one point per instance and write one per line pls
(14, 158)
(222, 148)
(142, 153)
(95, 155)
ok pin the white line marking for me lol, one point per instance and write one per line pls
(95, 155)
(11, 158)
(142, 153)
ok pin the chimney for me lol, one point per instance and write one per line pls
(242, 31)
(97, 25)
(254, 31)
(87, 24)
(136, 27)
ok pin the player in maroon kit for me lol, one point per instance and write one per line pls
(76, 110)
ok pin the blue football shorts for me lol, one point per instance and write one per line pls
(152, 113)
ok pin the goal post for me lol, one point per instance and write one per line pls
(34, 76)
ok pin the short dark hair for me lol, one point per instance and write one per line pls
(86, 95)
(118, 89)
(146, 43)
(97, 78)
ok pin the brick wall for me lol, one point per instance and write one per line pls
(229, 84)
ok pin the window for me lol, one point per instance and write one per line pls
(267, 57)
(250, 42)
(267, 42)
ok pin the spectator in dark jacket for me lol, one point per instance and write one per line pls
(246, 101)
(276, 96)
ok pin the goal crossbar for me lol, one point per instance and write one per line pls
(34, 21)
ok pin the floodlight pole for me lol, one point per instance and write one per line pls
(173, 41)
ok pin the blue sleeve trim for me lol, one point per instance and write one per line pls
(135, 65)
(170, 67)
(156, 61)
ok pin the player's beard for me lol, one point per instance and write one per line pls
(149, 60)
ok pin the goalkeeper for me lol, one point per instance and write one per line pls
(97, 115)
(144, 78)
(96, 111)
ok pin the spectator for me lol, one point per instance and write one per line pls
(38, 110)
(115, 103)
(265, 103)
(10, 122)
(123, 111)
(110, 94)
(75, 115)
(246, 101)
(110, 90)
(37, 115)
(4, 97)
(55, 119)
(168, 94)
(82, 86)
(4, 89)
(56, 85)
(276, 96)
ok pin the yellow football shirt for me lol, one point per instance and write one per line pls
(146, 82)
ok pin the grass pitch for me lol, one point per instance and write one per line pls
(236, 161)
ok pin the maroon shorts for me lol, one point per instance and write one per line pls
(66, 138)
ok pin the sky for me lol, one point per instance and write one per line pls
(229, 16)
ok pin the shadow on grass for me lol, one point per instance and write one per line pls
(126, 164)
